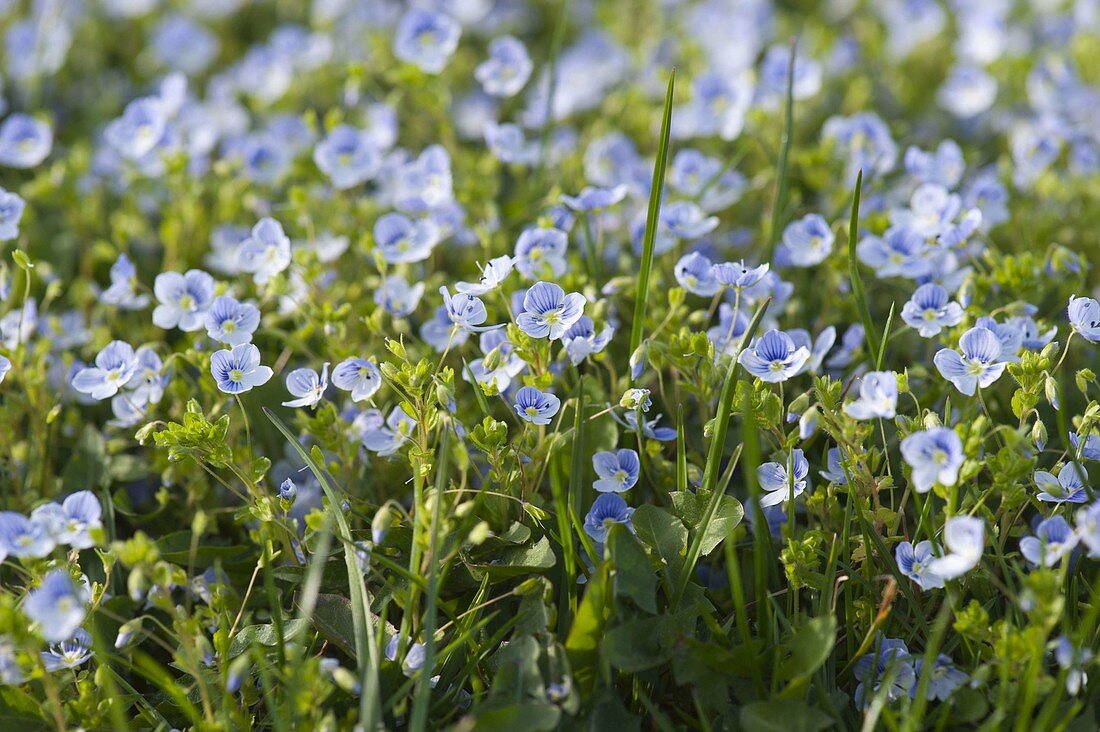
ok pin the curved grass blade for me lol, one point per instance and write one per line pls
(657, 185)
(709, 486)
(853, 273)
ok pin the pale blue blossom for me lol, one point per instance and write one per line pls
(617, 471)
(977, 364)
(184, 299)
(57, 606)
(935, 456)
(359, 376)
(306, 386)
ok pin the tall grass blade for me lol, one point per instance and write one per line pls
(853, 273)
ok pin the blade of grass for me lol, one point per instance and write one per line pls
(853, 273)
(780, 202)
(713, 467)
(658, 183)
(369, 706)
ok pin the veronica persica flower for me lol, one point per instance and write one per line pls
(465, 312)
(72, 521)
(1067, 487)
(695, 273)
(239, 370)
(24, 537)
(11, 211)
(492, 276)
(943, 678)
(617, 471)
(548, 312)
(1091, 448)
(1073, 660)
(928, 310)
(231, 322)
(1084, 316)
(1053, 540)
(359, 376)
(306, 386)
(266, 252)
(348, 156)
(397, 297)
(914, 561)
(774, 357)
(649, 428)
(536, 407)
(401, 240)
(781, 482)
(607, 509)
(976, 364)
(68, 654)
(507, 69)
(890, 663)
(58, 606)
(686, 220)
(114, 366)
(808, 241)
(834, 470)
(24, 141)
(878, 396)
(582, 340)
(140, 128)
(739, 275)
(386, 438)
(121, 291)
(1088, 528)
(540, 252)
(935, 456)
(184, 299)
(426, 39)
(964, 538)
(5, 367)
(595, 199)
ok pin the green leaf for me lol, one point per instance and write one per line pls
(264, 635)
(518, 560)
(528, 717)
(666, 535)
(726, 517)
(634, 576)
(809, 649)
(639, 644)
(783, 716)
(582, 644)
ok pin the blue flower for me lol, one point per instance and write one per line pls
(266, 252)
(540, 252)
(184, 299)
(114, 366)
(595, 199)
(72, 521)
(535, 406)
(239, 370)
(1031, 335)
(617, 471)
(943, 167)
(581, 339)
(1068, 487)
(1053, 540)
(493, 274)
(808, 241)
(890, 663)
(943, 678)
(397, 297)
(426, 39)
(465, 312)
(935, 456)
(288, 490)
(121, 291)
(415, 655)
(139, 130)
(607, 509)
(401, 240)
(1091, 449)
(507, 69)
(1084, 316)
(864, 141)
(548, 312)
(58, 606)
(686, 220)
(781, 482)
(774, 357)
(426, 183)
(68, 654)
(306, 386)
(348, 156)
(967, 92)
(24, 537)
(900, 252)
(508, 143)
(931, 210)
(231, 322)
(649, 429)
(1010, 336)
(834, 471)
(359, 376)
(739, 275)
(929, 312)
(977, 364)
(718, 106)
(819, 348)
(389, 436)
(11, 211)
(5, 367)
(24, 141)
(878, 396)
(695, 273)
(1073, 660)
(775, 68)
(964, 538)
(914, 561)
